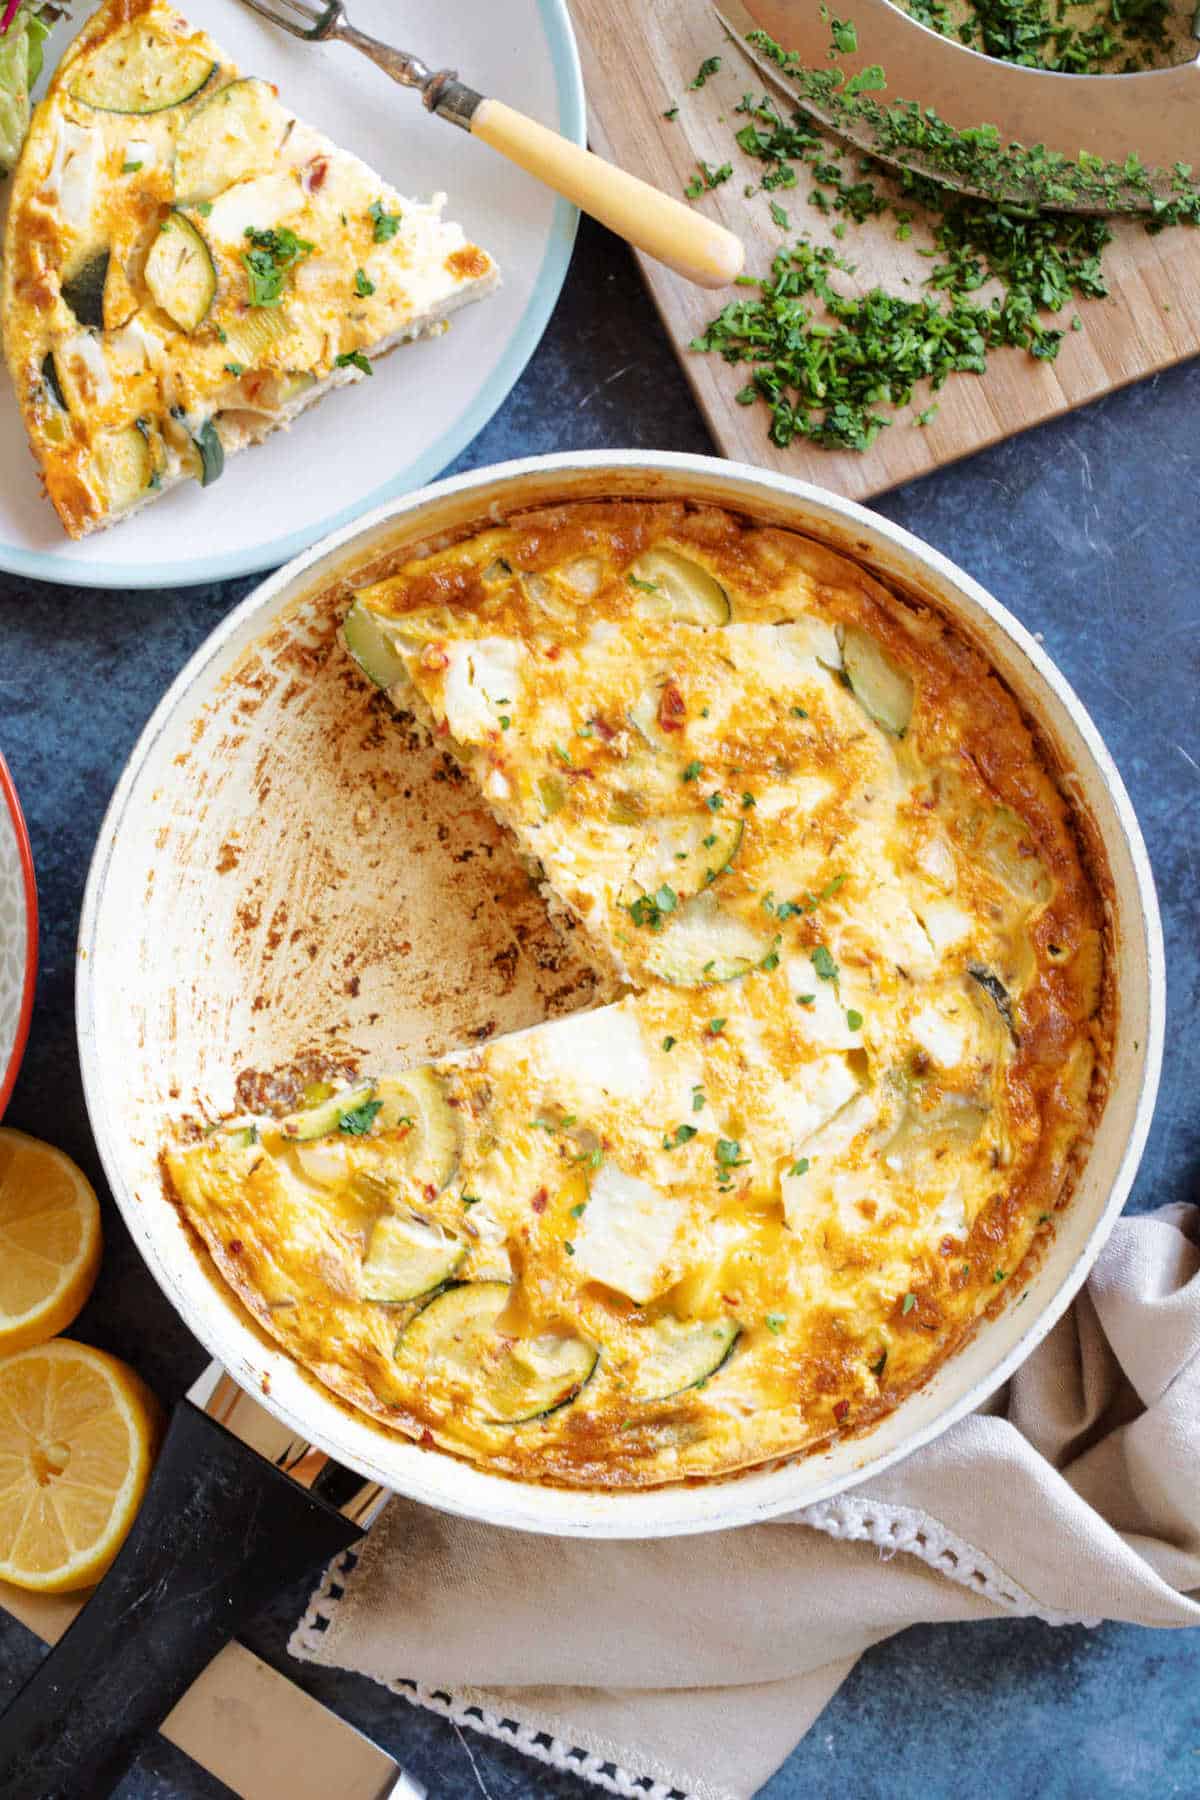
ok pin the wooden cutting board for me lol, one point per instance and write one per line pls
(638, 58)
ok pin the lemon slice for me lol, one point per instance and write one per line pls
(78, 1432)
(49, 1241)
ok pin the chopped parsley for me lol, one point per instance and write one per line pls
(880, 1363)
(798, 712)
(554, 1126)
(714, 802)
(716, 1027)
(907, 1304)
(780, 217)
(568, 1246)
(643, 587)
(672, 112)
(707, 177)
(853, 1020)
(668, 1043)
(835, 366)
(748, 801)
(358, 1121)
(800, 1166)
(697, 1100)
(469, 1199)
(805, 999)
(812, 901)
(683, 1135)
(652, 909)
(204, 207)
(824, 964)
(692, 771)
(386, 224)
(354, 359)
(363, 285)
(729, 1154)
(775, 1322)
(578, 1211)
(271, 256)
(1000, 1275)
(130, 168)
(235, 368)
(844, 38)
(710, 66)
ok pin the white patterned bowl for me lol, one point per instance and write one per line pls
(18, 934)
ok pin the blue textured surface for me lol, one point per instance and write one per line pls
(1086, 529)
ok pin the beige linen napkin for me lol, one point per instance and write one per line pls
(694, 1665)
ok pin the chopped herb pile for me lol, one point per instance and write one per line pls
(834, 364)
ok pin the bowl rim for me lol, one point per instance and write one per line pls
(679, 1509)
(8, 794)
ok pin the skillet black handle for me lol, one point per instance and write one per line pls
(219, 1532)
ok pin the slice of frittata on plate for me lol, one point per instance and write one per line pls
(187, 265)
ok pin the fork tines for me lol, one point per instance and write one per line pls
(298, 16)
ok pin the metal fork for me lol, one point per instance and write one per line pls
(653, 222)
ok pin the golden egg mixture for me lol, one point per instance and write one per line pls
(751, 1204)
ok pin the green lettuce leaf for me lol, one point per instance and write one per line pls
(20, 65)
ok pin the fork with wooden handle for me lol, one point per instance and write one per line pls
(664, 228)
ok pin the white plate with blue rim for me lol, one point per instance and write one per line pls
(362, 445)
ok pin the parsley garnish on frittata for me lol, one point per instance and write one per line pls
(270, 257)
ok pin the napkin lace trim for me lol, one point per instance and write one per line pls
(891, 1528)
(572, 1759)
(894, 1528)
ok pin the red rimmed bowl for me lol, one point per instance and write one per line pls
(18, 934)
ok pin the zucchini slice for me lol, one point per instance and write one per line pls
(881, 689)
(255, 338)
(432, 1145)
(84, 291)
(996, 991)
(211, 452)
(1009, 849)
(127, 464)
(140, 70)
(366, 637)
(923, 1139)
(54, 386)
(407, 1258)
(180, 272)
(318, 1121)
(235, 134)
(685, 854)
(672, 586)
(678, 1354)
(700, 944)
(452, 1342)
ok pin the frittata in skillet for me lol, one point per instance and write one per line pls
(188, 266)
(755, 1202)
